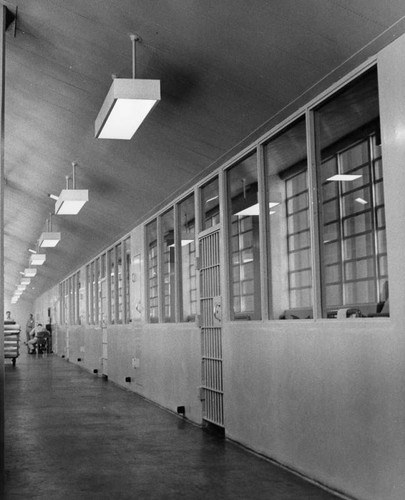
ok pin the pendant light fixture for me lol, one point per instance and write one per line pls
(127, 104)
(36, 258)
(49, 239)
(30, 272)
(71, 201)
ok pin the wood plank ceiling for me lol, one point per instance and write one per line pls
(226, 68)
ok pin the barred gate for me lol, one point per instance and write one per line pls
(211, 332)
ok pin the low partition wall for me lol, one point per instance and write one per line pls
(160, 362)
(325, 398)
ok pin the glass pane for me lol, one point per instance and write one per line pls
(350, 177)
(152, 267)
(169, 266)
(120, 283)
(244, 239)
(113, 309)
(98, 278)
(93, 292)
(101, 279)
(188, 267)
(289, 232)
(127, 244)
(88, 296)
(210, 204)
(102, 270)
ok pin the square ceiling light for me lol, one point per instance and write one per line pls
(344, 177)
(37, 259)
(25, 281)
(71, 201)
(49, 240)
(30, 272)
(255, 209)
(127, 104)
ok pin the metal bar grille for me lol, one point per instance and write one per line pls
(211, 333)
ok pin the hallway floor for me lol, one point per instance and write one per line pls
(73, 435)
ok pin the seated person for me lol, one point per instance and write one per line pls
(38, 335)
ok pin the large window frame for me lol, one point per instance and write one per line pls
(118, 301)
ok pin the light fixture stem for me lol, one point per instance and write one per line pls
(67, 182)
(74, 165)
(134, 39)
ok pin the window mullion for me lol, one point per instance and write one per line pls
(318, 292)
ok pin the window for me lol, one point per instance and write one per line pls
(102, 291)
(169, 266)
(69, 291)
(350, 184)
(188, 261)
(93, 271)
(127, 253)
(88, 294)
(210, 204)
(285, 159)
(113, 291)
(152, 270)
(244, 216)
(120, 283)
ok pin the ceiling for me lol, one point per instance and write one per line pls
(227, 69)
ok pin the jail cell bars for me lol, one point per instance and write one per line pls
(211, 332)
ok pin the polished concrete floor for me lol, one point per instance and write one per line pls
(72, 435)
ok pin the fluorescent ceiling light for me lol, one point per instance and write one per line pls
(49, 240)
(21, 287)
(32, 251)
(343, 177)
(127, 104)
(249, 211)
(254, 209)
(361, 201)
(37, 259)
(184, 243)
(25, 281)
(71, 201)
(30, 272)
(211, 199)
(53, 196)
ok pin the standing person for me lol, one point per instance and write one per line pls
(29, 326)
(8, 318)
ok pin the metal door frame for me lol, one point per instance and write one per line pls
(210, 322)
